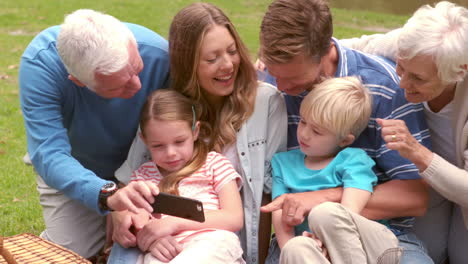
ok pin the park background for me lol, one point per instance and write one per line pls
(21, 20)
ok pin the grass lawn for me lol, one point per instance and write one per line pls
(21, 20)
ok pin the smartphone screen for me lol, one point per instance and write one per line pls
(179, 206)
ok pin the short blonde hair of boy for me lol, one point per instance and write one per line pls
(341, 105)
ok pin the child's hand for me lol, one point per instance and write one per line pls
(154, 230)
(165, 248)
(319, 243)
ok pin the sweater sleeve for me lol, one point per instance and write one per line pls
(48, 143)
(376, 44)
(448, 179)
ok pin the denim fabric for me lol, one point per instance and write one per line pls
(274, 252)
(414, 251)
(121, 255)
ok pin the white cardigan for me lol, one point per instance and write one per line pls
(450, 180)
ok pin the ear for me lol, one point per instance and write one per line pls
(140, 134)
(75, 80)
(196, 131)
(347, 140)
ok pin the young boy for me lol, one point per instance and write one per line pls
(333, 115)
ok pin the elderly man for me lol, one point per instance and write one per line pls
(82, 86)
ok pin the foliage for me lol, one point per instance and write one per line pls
(21, 20)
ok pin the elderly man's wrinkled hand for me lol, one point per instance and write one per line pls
(137, 194)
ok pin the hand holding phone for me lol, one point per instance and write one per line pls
(178, 206)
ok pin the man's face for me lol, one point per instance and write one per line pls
(296, 76)
(124, 83)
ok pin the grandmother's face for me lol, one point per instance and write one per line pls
(419, 78)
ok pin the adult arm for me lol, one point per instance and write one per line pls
(448, 179)
(376, 44)
(444, 177)
(48, 143)
(396, 198)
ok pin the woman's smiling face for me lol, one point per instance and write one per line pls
(218, 64)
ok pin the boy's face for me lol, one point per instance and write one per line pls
(316, 141)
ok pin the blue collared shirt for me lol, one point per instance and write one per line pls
(379, 76)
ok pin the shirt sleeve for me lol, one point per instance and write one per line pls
(147, 172)
(222, 170)
(356, 169)
(279, 187)
(48, 144)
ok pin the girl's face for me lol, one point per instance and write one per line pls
(170, 143)
(219, 63)
(316, 141)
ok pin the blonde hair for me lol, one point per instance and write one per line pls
(291, 28)
(186, 34)
(340, 105)
(169, 105)
(441, 32)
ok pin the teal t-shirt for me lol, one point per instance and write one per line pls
(351, 167)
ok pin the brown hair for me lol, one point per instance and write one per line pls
(291, 28)
(186, 34)
(169, 105)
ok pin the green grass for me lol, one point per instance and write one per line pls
(21, 20)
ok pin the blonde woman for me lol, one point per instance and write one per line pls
(210, 64)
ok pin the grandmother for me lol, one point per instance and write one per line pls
(431, 51)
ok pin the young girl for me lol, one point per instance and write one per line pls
(333, 115)
(182, 165)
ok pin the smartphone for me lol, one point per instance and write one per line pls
(179, 206)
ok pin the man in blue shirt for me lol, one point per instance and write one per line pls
(82, 86)
(298, 50)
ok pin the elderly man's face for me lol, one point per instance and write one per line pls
(419, 79)
(124, 83)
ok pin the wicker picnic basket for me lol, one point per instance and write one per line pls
(31, 249)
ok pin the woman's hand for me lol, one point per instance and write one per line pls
(137, 194)
(397, 136)
(165, 248)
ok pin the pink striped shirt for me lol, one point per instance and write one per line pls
(203, 185)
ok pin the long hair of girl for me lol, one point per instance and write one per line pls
(169, 105)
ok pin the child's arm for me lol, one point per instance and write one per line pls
(229, 217)
(165, 248)
(283, 231)
(355, 199)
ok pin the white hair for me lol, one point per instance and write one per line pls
(440, 32)
(91, 42)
